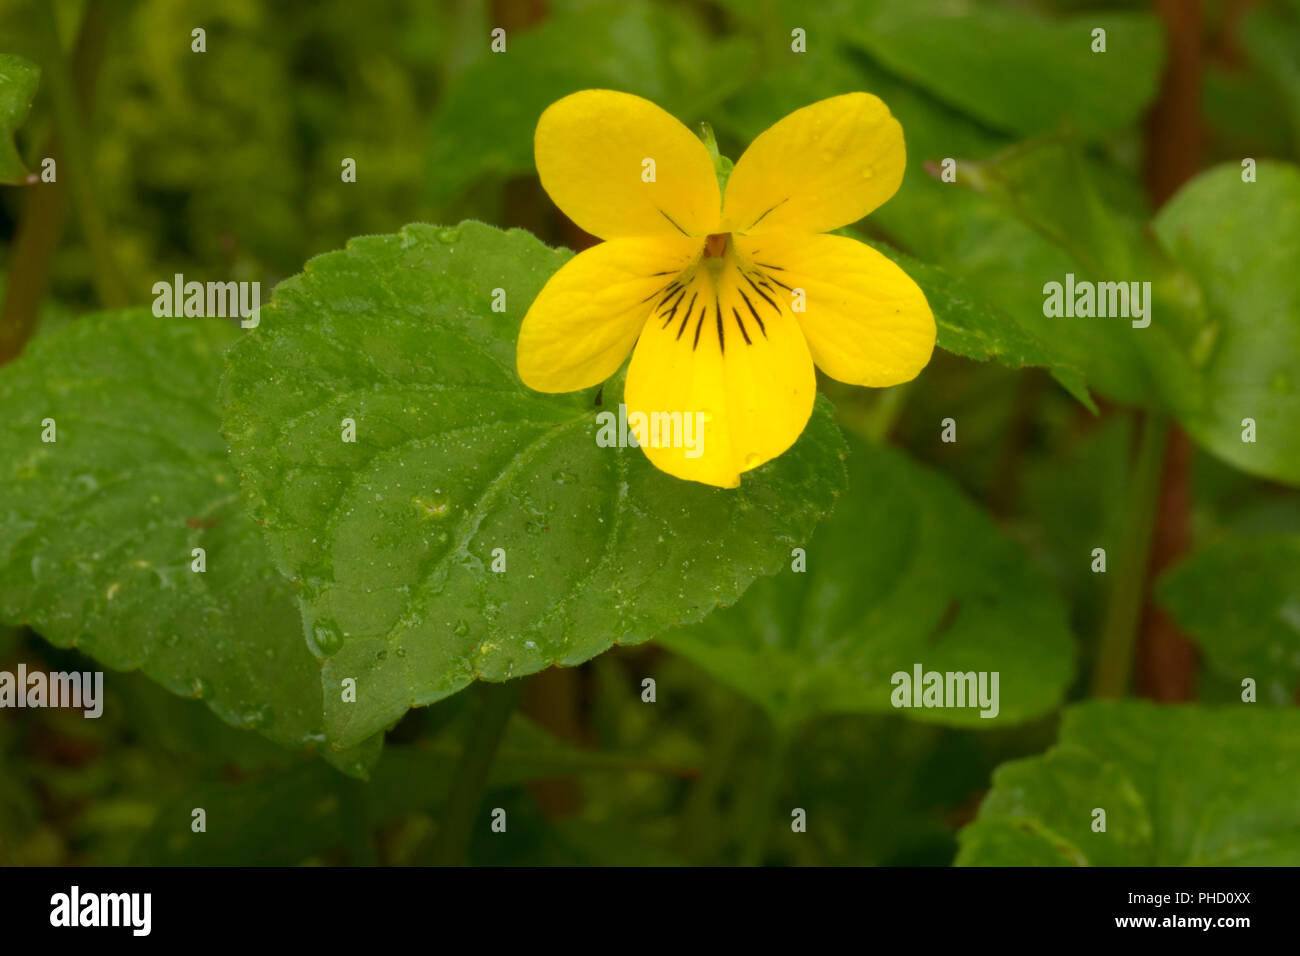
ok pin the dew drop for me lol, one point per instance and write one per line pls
(449, 235)
(326, 639)
(460, 629)
(201, 688)
(564, 477)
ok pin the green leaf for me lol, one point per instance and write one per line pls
(98, 526)
(1181, 786)
(484, 124)
(1049, 185)
(1242, 242)
(905, 572)
(1239, 600)
(391, 539)
(1271, 35)
(18, 80)
(285, 817)
(971, 327)
(977, 58)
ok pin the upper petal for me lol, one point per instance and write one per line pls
(586, 318)
(732, 366)
(866, 321)
(822, 167)
(591, 149)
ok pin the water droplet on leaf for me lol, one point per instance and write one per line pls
(326, 639)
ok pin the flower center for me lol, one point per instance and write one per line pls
(715, 246)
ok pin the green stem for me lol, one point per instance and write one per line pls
(75, 154)
(354, 800)
(31, 254)
(30, 257)
(698, 836)
(884, 415)
(759, 819)
(1128, 584)
(482, 741)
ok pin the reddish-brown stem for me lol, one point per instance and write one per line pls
(1167, 662)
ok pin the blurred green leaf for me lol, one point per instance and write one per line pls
(980, 58)
(484, 124)
(18, 80)
(99, 525)
(1068, 485)
(1048, 184)
(1240, 600)
(1271, 36)
(1181, 786)
(283, 818)
(900, 818)
(1241, 109)
(390, 538)
(1242, 242)
(905, 572)
(971, 327)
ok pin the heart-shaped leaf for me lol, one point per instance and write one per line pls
(1242, 242)
(112, 474)
(1178, 786)
(977, 57)
(905, 574)
(474, 528)
(1240, 600)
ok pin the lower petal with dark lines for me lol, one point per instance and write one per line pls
(722, 376)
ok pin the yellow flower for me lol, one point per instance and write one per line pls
(728, 303)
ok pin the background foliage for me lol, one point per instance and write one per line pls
(772, 687)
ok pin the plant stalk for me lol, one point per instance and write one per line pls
(75, 154)
(1128, 587)
(482, 741)
(759, 822)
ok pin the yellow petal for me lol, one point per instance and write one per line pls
(821, 167)
(866, 321)
(586, 319)
(742, 380)
(594, 149)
